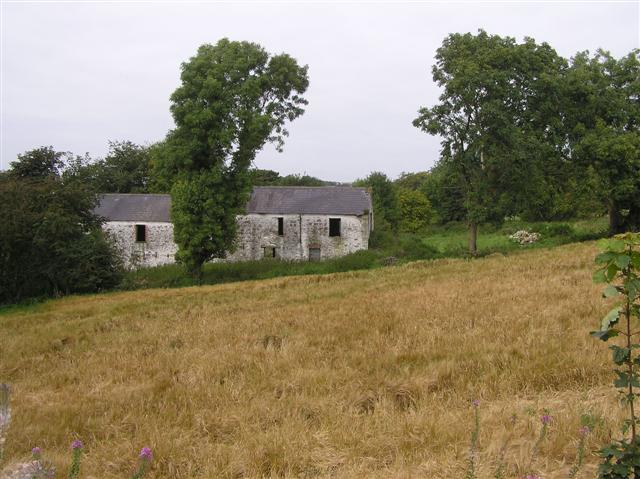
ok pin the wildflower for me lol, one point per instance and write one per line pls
(584, 430)
(36, 451)
(76, 459)
(546, 419)
(146, 454)
(475, 402)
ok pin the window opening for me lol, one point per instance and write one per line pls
(334, 226)
(141, 233)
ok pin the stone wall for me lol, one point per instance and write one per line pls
(256, 233)
(157, 250)
(301, 232)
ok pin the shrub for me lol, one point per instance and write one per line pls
(51, 242)
(412, 247)
(559, 229)
(524, 237)
(620, 270)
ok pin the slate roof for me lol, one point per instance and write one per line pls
(321, 200)
(134, 207)
(299, 200)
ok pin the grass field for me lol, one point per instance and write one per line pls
(351, 375)
(453, 240)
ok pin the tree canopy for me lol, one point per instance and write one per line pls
(496, 115)
(51, 243)
(602, 103)
(234, 97)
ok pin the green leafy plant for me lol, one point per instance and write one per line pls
(472, 462)
(620, 270)
(74, 470)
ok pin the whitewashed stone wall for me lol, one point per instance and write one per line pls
(255, 233)
(157, 250)
(301, 232)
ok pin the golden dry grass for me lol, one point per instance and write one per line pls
(363, 374)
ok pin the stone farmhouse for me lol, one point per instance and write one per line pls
(289, 223)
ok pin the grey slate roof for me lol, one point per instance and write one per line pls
(134, 207)
(321, 200)
(299, 200)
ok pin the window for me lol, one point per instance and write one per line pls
(334, 226)
(314, 254)
(269, 252)
(141, 233)
(280, 226)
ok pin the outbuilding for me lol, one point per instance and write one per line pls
(289, 223)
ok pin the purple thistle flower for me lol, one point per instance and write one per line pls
(77, 444)
(584, 430)
(475, 403)
(546, 419)
(146, 454)
(36, 451)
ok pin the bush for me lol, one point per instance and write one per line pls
(412, 247)
(51, 242)
(382, 238)
(558, 229)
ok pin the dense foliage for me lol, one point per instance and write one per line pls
(602, 116)
(497, 117)
(525, 132)
(125, 169)
(234, 97)
(258, 177)
(50, 241)
(620, 269)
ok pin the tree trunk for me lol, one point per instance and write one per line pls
(614, 218)
(632, 221)
(473, 238)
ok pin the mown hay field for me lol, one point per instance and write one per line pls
(362, 374)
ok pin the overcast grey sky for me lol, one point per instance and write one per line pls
(75, 75)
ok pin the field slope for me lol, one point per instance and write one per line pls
(361, 374)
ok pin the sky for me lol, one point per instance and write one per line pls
(75, 75)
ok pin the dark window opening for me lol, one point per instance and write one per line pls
(334, 226)
(269, 252)
(314, 254)
(280, 226)
(141, 233)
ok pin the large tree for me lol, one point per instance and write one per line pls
(602, 115)
(234, 98)
(497, 117)
(51, 243)
(38, 163)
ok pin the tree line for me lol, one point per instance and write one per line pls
(524, 132)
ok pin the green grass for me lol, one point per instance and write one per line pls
(452, 240)
(449, 241)
(172, 276)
